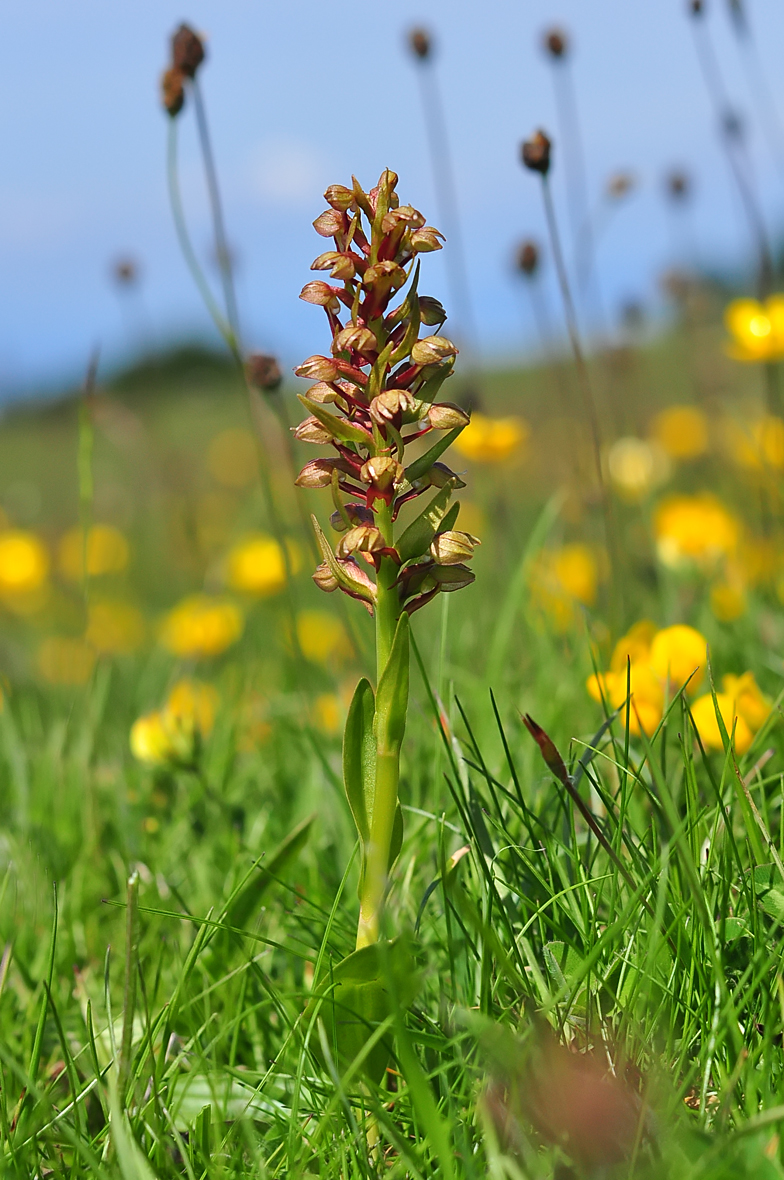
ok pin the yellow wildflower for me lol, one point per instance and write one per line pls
(328, 713)
(694, 528)
(563, 577)
(191, 705)
(757, 329)
(676, 653)
(64, 660)
(492, 440)
(256, 566)
(24, 562)
(682, 431)
(647, 697)
(150, 740)
(634, 646)
(200, 626)
(114, 627)
(322, 637)
(636, 467)
(704, 713)
(727, 600)
(107, 552)
(232, 458)
(750, 702)
(757, 445)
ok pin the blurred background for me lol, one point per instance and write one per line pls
(302, 95)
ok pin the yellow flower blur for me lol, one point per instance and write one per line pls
(232, 458)
(682, 431)
(758, 445)
(757, 329)
(696, 529)
(256, 566)
(678, 653)
(328, 713)
(704, 713)
(492, 440)
(24, 562)
(171, 735)
(727, 601)
(322, 637)
(201, 626)
(114, 627)
(64, 660)
(636, 467)
(646, 700)
(107, 552)
(563, 577)
(750, 703)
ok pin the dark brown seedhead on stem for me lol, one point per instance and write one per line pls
(556, 44)
(187, 51)
(678, 185)
(125, 272)
(535, 153)
(420, 43)
(173, 91)
(375, 393)
(263, 372)
(619, 185)
(528, 258)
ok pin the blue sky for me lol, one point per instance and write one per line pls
(303, 94)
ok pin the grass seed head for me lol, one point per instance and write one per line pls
(536, 152)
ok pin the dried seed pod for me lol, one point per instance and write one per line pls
(125, 272)
(187, 50)
(556, 43)
(678, 185)
(528, 258)
(619, 185)
(263, 371)
(173, 91)
(536, 152)
(420, 43)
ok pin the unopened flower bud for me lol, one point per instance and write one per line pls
(325, 579)
(339, 197)
(439, 476)
(321, 393)
(390, 405)
(318, 368)
(431, 312)
(619, 185)
(447, 416)
(452, 547)
(453, 577)
(319, 293)
(317, 473)
(355, 337)
(386, 269)
(363, 538)
(535, 153)
(556, 43)
(340, 265)
(312, 431)
(263, 372)
(405, 215)
(173, 91)
(420, 43)
(357, 515)
(330, 223)
(187, 50)
(383, 472)
(426, 239)
(528, 258)
(432, 349)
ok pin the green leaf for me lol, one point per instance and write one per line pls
(415, 540)
(392, 694)
(359, 757)
(337, 427)
(334, 565)
(428, 391)
(246, 901)
(353, 998)
(397, 838)
(423, 464)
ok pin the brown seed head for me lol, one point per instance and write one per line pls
(173, 91)
(528, 258)
(263, 371)
(187, 50)
(125, 272)
(420, 43)
(619, 185)
(696, 7)
(535, 153)
(678, 185)
(556, 43)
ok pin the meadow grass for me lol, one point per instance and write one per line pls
(167, 1027)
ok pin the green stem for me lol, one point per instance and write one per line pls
(382, 821)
